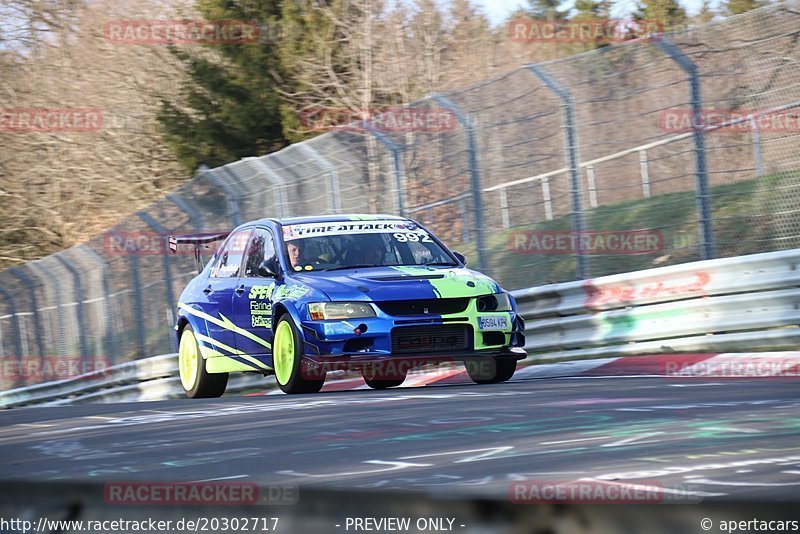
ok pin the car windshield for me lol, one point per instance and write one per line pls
(348, 245)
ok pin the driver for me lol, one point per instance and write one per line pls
(295, 251)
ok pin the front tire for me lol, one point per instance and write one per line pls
(384, 383)
(287, 352)
(196, 382)
(491, 371)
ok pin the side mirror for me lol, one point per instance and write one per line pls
(460, 257)
(269, 268)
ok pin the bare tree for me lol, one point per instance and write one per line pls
(61, 187)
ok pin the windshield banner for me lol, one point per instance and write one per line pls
(300, 231)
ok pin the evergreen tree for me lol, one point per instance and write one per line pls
(735, 7)
(667, 12)
(228, 108)
(547, 9)
(706, 13)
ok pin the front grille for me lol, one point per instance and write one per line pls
(422, 307)
(438, 338)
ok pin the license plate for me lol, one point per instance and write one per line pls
(493, 323)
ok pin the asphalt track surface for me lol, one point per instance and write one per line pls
(728, 439)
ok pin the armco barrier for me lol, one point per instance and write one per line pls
(746, 302)
(742, 303)
(154, 378)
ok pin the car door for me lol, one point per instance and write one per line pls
(219, 292)
(252, 297)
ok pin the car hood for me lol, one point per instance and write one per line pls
(399, 283)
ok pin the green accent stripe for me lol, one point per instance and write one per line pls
(225, 323)
(223, 364)
(223, 346)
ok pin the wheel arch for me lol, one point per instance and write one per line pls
(284, 307)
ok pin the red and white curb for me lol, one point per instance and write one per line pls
(706, 366)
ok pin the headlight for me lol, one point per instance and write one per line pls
(339, 310)
(494, 303)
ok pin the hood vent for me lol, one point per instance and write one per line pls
(403, 278)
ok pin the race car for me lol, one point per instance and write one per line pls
(375, 294)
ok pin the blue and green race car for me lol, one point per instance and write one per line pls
(375, 294)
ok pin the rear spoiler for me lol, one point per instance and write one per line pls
(198, 240)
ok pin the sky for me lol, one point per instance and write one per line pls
(498, 10)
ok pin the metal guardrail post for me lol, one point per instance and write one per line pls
(573, 161)
(396, 163)
(31, 293)
(474, 176)
(702, 194)
(335, 205)
(230, 196)
(170, 296)
(80, 297)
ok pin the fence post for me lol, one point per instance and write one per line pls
(194, 216)
(702, 195)
(504, 214)
(592, 182)
(333, 178)
(396, 163)
(169, 295)
(230, 196)
(82, 329)
(31, 293)
(18, 338)
(573, 162)
(644, 168)
(462, 209)
(109, 329)
(756, 136)
(137, 303)
(279, 186)
(474, 175)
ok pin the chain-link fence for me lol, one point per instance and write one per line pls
(648, 153)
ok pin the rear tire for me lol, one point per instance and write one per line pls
(491, 371)
(287, 352)
(196, 382)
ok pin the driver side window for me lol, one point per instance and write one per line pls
(261, 247)
(230, 257)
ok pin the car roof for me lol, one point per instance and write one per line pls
(332, 218)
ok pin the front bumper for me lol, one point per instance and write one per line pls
(398, 365)
(385, 340)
